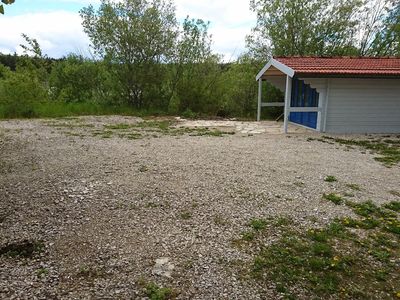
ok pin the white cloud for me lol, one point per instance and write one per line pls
(230, 21)
(60, 32)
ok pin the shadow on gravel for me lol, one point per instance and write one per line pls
(25, 249)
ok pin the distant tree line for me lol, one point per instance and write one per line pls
(145, 60)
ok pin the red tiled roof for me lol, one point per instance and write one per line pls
(388, 66)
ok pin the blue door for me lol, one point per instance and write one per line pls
(303, 95)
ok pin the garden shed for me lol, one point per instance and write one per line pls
(336, 94)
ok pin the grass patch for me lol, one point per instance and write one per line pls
(394, 205)
(330, 178)
(332, 261)
(54, 109)
(388, 150)
(334, 198)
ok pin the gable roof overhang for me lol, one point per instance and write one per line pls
(275, 65)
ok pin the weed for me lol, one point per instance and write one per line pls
(154, 292)
(220, 221)
(388, 150)
(258, 224)
(143, 169)
(186, 215)
(248, 236)
(395, 193)
(394, 205)
(42, 272)
(283, 221)
(120, 126)
(333, 198)
(354, 186)
(330, 178)
(331, 262)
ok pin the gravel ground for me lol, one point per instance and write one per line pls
(105, 209)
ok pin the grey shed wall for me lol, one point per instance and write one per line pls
(363, 106)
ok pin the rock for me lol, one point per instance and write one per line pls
(163, 267)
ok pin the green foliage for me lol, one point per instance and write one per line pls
(145, 32)
(19, 93)
(385, 35)
(389, 150)
(258, 224)
(331, 262)
(330, 178)
(301, 27)
(154, 292)
(75, 79)
(333, 198)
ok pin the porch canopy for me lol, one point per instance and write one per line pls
(305, 82)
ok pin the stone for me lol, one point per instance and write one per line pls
(163, 267)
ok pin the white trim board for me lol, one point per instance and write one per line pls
(280, 66)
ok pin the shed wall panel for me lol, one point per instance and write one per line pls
(363, 106)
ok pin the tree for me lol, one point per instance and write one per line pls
(304, 27)
(386, 41)
(135, 37)
(5, 2)
(195, 69)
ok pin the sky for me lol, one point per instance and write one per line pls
(56, 24)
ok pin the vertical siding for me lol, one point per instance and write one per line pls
(363, 106)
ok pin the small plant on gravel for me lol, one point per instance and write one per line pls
(248, 236)
(395, 193)
(186, 215)
(394, 205)
(334, 198)
(353, 186)
(42, 272)
(154, 292)
(330, 178)
(258, 224)
(143, 169)
(283, 221)
(388, 150)
(220, 220)
(120, 126)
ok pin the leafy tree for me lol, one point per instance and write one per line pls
(304, 27)
(75, 79)
(5, 2)
(196, 70)
(387, 40)
(135, 37)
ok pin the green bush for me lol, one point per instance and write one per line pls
(19, 93)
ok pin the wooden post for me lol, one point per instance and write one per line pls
(259, 99)
(288, 97)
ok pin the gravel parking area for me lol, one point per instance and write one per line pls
(104, 209)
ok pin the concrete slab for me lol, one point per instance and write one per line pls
(263, 127)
